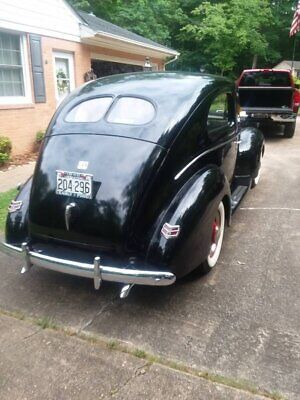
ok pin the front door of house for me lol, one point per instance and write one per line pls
(64, 74)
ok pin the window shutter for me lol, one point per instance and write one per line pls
(37, 69)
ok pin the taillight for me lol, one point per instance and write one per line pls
(296, 101)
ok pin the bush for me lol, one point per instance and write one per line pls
(39, 136)
(5, 149)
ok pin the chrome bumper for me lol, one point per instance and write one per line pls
(278, 117)
(96, 271)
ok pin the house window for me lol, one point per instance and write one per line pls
(14, 85)
(64, 74)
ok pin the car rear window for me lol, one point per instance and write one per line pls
(266, 78)
(90, 110)
(131, 111)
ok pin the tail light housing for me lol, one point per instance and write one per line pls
(296, 100)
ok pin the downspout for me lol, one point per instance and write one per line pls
(172, 60)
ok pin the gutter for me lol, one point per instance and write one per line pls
(172, 60)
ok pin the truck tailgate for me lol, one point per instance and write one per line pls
(266, 99)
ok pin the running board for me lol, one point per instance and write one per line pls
(237, 196)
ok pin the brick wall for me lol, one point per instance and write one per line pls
(21, 122)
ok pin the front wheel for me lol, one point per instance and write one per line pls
(217, 234)
(289, 129)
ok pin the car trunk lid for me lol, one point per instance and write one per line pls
(121, 169)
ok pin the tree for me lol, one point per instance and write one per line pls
(152, 19)
(227, 31)
(218, 36)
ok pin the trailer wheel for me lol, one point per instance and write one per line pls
(289, 129)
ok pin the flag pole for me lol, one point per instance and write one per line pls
(294, 51)
(295, 27)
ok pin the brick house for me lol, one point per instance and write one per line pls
(46, 49)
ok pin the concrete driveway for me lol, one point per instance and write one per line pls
(242, 321)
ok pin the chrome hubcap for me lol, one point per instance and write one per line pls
(215, 235)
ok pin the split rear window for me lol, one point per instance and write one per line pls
(266, 78)
(125, 110)
(90, 110)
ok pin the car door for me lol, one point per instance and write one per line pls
(222, 131)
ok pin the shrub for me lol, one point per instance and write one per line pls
(39, 136)
(5, 149)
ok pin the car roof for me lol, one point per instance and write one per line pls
(155, 85)
(174, 94)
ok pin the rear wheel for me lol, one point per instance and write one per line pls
(289, 129)
(217, 234)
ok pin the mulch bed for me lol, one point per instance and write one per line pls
(19, 160)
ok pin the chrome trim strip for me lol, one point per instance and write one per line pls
(107, 273)
(232, 139)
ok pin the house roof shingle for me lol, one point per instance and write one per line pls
(100, 25)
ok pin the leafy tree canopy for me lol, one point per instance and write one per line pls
(216, 36)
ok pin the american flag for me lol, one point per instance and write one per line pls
(296, 21)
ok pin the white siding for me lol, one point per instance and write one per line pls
(45, 17)
(282, 65)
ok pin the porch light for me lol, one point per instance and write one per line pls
(147, 65)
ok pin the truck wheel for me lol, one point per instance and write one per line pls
(217, 233)
(289, 129)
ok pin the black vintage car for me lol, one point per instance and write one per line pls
(136, 178)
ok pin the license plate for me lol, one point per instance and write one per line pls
(74, 184)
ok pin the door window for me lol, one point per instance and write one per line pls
(217, 119)
(64, 75)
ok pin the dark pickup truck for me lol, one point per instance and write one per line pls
(268, 96)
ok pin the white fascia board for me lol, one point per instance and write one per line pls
(89, 34)
(124, 48)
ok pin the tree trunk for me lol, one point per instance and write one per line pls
(254, 62)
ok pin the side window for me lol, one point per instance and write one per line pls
(218, 112)
(218, 117)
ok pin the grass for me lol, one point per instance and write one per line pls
(46, 323)
(5, 199)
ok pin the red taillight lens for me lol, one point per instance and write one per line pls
(296, 100)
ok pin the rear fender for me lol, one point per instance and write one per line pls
(193, 210)
(250, 150)
(16, 231)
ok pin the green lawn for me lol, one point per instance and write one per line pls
(5, 199)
